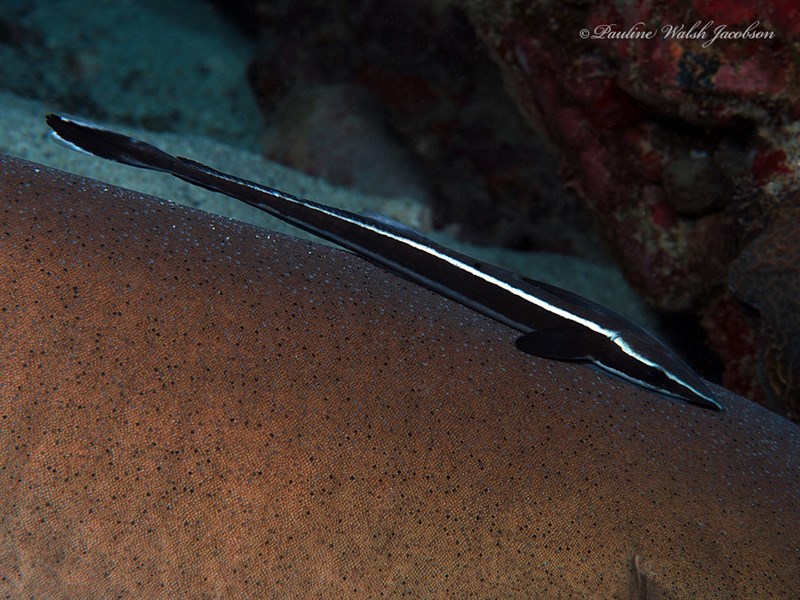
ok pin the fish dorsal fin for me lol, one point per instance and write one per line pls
(391, 225)
(567, 295)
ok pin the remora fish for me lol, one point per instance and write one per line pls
(555, 323)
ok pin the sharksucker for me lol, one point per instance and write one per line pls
(555, 323)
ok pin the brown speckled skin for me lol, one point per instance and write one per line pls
(193, 406)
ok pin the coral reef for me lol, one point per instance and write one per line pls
(669, 127)
(766, 276)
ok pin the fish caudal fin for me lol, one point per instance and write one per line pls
(95, 140)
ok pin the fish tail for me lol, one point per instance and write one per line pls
(97, 141)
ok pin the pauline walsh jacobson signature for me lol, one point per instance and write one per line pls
(700, 30)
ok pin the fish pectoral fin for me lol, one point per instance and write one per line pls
(561, 342)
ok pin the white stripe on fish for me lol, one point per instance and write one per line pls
(555, 323)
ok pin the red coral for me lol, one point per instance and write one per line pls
(727, 12)
(647, 123)
(767, 163)
(731, 335)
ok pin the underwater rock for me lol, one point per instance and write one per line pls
(339, 133)
(192, 406)
(166, 66)
(658, 131)
(492, 179)
(733, 337)
(766, 276)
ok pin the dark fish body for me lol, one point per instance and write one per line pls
(555, 323)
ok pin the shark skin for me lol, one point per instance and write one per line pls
(191, 406)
